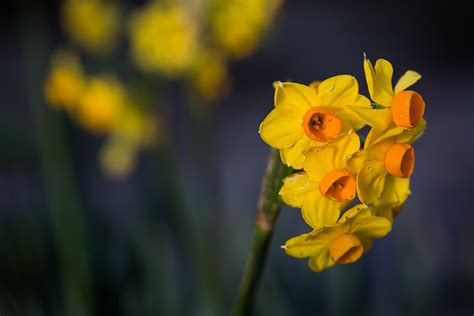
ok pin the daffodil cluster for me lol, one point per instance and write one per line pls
(101, 105)
(316, 127)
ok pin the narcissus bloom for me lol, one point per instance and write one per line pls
(326, 185)
(164, 38)
(92, 24)
(65, 81)
(101, 104)
(384, 166)
(407, 106)
(306, 117)
(341, 243)
(209, 76)
(237, 26)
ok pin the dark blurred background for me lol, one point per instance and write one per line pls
(172, 238)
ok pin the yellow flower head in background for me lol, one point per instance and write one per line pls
(341, 243)
(209, 77)
(164, 38)
(326, 185)
(407, 106)
(65, 81)
(92, 24)
(101, 104)
(118, 158)
(306, 117)
(238, 25)
(136, 125)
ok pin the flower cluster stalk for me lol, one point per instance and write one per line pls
(269, 205)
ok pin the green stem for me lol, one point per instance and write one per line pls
(59, 179)
(269, 206)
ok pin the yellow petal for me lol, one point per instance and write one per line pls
(383, 211)
(407, 80)
(410, 135)
(363, 112)
(334, 155)
(349, 116)
(357, 161)
(294, 95)
(294, 156)
(295, 188)
(359, 210)
(370, 181)
(319, 161)
(337, 91)
(281, 129)
(302, 246)
(370, 227)
(395, 193)
(379, 81)
(346, 146)
(321, 260)
(376, 135)
(318, 211)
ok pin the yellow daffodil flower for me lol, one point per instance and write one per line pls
(136, 125)
(101, 104)
(326, 185)
(209, 76)
(65, 81)
(237, 26)
(118, 157)
(164, 38)
(407, 106)
(380, 162)
(306, 117)
(341, 243)
(134, 130)
(92, 24)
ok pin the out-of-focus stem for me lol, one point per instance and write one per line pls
(64, 204)
(269, 206)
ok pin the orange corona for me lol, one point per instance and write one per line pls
(408, 108)
(346, 248)
(321, 125)
(338, 185)
(400, 160)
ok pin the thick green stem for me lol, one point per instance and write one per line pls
(269, 206)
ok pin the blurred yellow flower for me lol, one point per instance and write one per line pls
(118, 157)
(238, 25)
(92, 24)
(101, 105)
(209, 76)
(343, 242)
(136, 125)
(135, 129)
(65, 81)
(164, 38)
